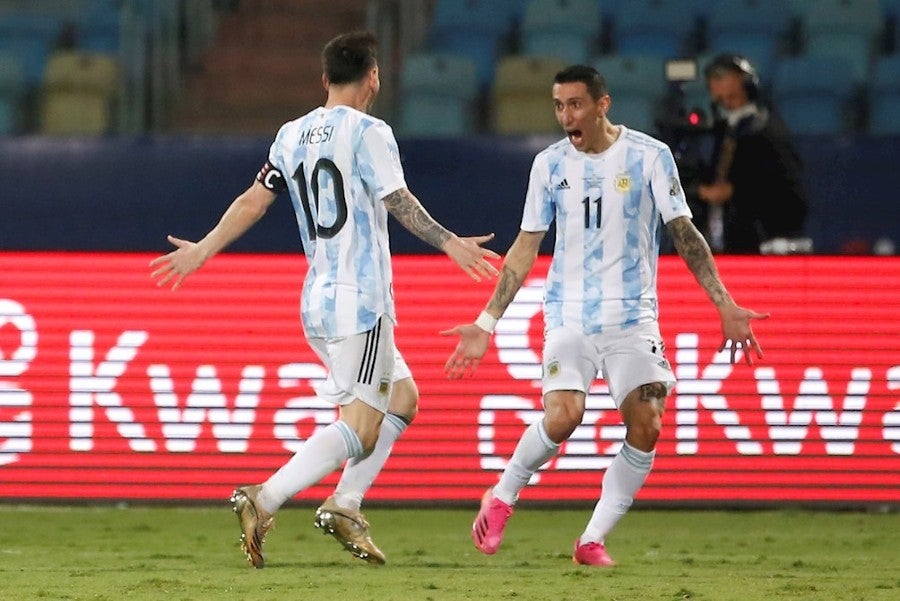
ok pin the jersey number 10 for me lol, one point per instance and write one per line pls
(340, 200)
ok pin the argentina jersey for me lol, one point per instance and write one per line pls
(338, 164)
(609, 208)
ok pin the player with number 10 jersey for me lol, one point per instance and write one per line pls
(337, 164)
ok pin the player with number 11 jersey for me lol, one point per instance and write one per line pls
(607, 207)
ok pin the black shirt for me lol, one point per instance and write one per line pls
(768, 200)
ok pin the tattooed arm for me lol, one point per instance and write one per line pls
(465, 252)
(407, 209)
(695, 251)
(473, 340)
(518, 263)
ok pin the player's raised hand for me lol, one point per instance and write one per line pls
(178, 264)
(737, 332)
(471, 256)
(473, 344)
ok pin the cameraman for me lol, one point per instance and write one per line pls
(753, 195)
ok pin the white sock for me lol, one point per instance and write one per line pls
(360, 472)
(320, 455)
(534, 450)
(623, 479)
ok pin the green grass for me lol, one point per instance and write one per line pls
(170, 553)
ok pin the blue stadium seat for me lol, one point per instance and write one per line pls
(476, 29)
(858, 50)
(849, 28)
(890, 8)
(568, 29)
(438, 92)
(885, 116)
(813, 93)
(637, 85)
(12, 91)
(643, 75)
(30, 37)
(754, 29)
(884, 96)
(98, 31)
(661, 28)
(797, 9)
(856, 16)
(634, 111)
(891, 11)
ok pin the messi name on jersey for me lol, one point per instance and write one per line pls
(316, 135)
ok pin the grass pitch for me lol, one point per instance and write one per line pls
(171, 553)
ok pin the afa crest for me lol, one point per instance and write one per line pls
(623, 183)
(674, 187)
(553, 369)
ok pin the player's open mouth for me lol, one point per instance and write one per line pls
(575, 136)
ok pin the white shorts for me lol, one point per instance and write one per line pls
(362, 366)
(626, 359)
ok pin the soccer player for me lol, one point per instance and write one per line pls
(342, 170)
(608, 188)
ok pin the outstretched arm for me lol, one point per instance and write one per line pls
(475, 337)
(465, 252)
(736, 328)
(189, 256)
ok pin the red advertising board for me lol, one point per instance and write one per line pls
(112, 388)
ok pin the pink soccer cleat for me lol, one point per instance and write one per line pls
(591, 554)
(487, 530)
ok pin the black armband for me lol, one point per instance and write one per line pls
(271, 178)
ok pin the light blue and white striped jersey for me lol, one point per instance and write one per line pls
(609, 208)
(338, 164)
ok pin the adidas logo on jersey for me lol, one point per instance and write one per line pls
(563, 185)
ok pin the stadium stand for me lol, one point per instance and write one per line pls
(813, 94)
(884, 97)
(521, 101)
(633, 74)
(567, 29)
(152, 40)
(477, 29)
(79, 92)
(756, 29)
(231, 70)
(98, 28)
(662, 28)
(438, 92)
(637, 85)
(30, 37)
(12, 92)
(847, 28)
(262, 66)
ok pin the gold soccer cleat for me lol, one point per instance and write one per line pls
(350, 528)
(254, 523)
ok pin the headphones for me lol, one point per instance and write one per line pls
(735, 63)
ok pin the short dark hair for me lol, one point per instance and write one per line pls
(590, 77)
(348, 57)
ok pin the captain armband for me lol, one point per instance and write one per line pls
(271, 178)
